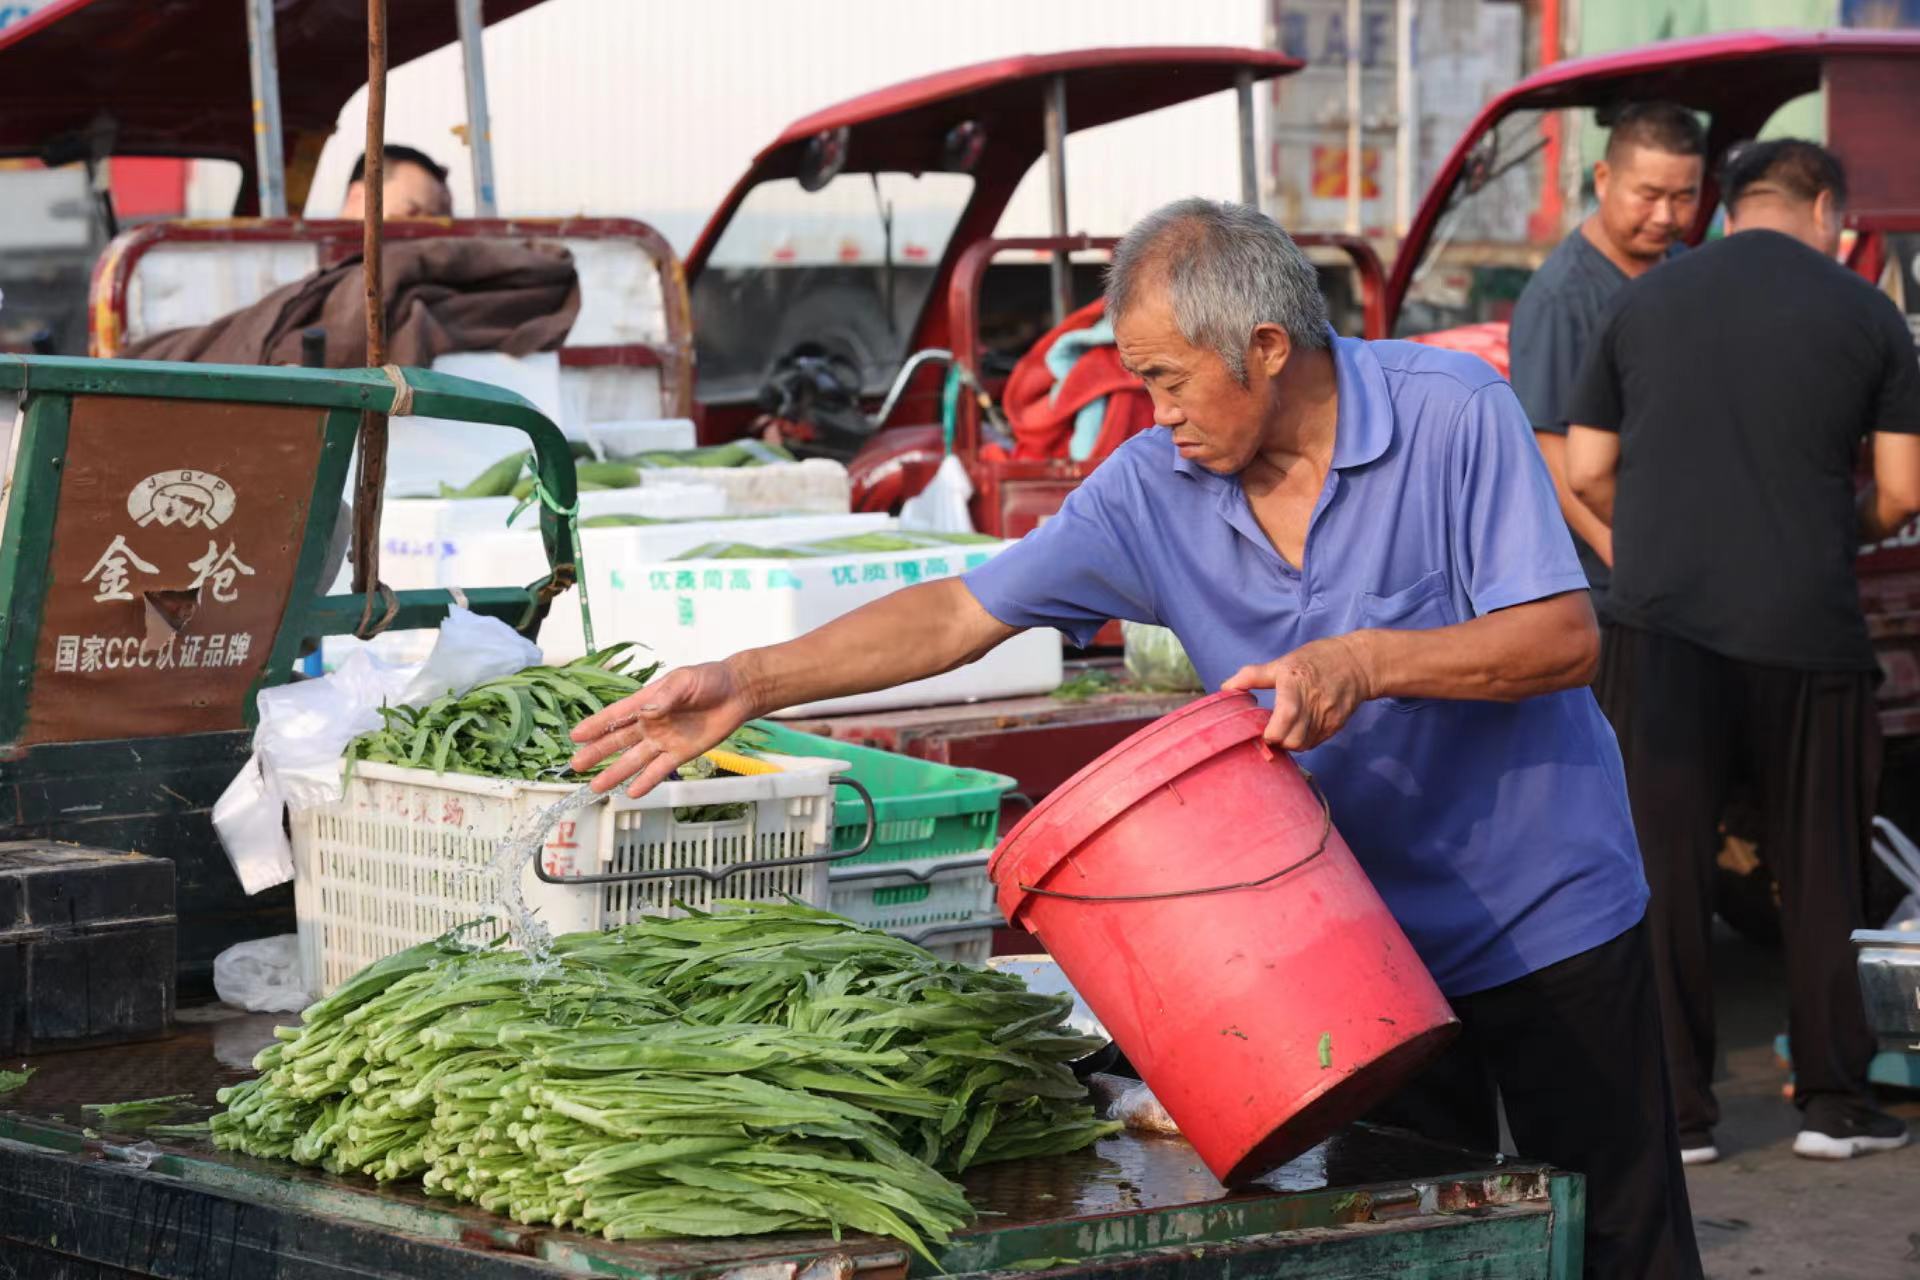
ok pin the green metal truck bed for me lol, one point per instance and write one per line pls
(1366, 1203)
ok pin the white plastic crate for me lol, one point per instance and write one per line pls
(406, 855)
(903, 897)
(690, 611)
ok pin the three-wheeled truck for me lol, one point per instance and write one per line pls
(166, 531)
(956, 306)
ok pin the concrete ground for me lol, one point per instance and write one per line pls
(1762, 1211)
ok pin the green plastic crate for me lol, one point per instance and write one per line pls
(921, 809)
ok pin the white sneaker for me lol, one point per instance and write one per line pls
(1840, 1129)
(1706, 1154)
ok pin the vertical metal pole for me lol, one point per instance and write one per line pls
(1056, 131)
(479, 124)
(1408, 109)
(264, 64)
(1249, 165)
(1353, 117)
(371, 482)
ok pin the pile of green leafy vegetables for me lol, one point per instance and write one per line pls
(754, 1069)
(520, 726)
(512, 476)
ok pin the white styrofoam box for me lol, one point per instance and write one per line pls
(427, 542)
(620, 299)
(599, 402)
(535, 376)
(181, 284)
(514, 557)
(703, 610)
(616, 559)
(815, 484)
(641, 435)
(597, 393)
(406, 854)
(902, 897)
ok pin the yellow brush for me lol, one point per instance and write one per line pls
(745, 766)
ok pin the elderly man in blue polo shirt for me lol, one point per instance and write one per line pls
(1364, 535)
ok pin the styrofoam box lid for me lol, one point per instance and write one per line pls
(637, 548)
(417, 554)
(902, 568)
(814, 485)
(430, 516)
(640, 436)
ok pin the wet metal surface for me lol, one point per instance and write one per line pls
(1126, 1175)
(213, 1046)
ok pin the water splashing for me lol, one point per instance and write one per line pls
(510, 859)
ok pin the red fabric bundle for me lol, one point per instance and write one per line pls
(1042, 421)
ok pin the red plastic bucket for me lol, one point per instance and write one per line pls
(1192, 887)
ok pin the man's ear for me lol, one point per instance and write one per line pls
(1826, 216)
(1269, 349)
(1602, 175)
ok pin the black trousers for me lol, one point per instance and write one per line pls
(1574, 1051)
(1689, 722)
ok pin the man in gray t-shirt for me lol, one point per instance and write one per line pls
(1648, 187)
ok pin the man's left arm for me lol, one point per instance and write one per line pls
(1593, 432)
(1593, 472)
(1533, 631)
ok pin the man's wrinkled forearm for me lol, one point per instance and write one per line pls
(1506, 656)
(906, 636)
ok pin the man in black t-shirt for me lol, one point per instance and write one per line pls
(1717, 425)
(1647, 188)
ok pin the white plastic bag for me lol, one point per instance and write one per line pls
(305, 728)
(1157, 661)
(262, 976)
(1131, 1103)
(471, 650)
(941, 507)
(1901, 857)
(247, 818)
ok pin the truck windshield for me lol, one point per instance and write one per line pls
(1480, 255)
(847, 267)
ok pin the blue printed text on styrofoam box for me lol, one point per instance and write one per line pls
(684, 582)
(426, 549)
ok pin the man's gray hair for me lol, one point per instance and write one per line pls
(1227, 268)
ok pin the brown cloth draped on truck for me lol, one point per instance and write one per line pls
(510, 296)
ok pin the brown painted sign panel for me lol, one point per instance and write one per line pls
(173, 556)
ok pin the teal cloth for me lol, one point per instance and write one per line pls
(1061, 357)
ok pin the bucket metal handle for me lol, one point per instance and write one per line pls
(717, 874)
(1326, 834)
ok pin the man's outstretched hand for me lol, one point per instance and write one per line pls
(660, 728)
